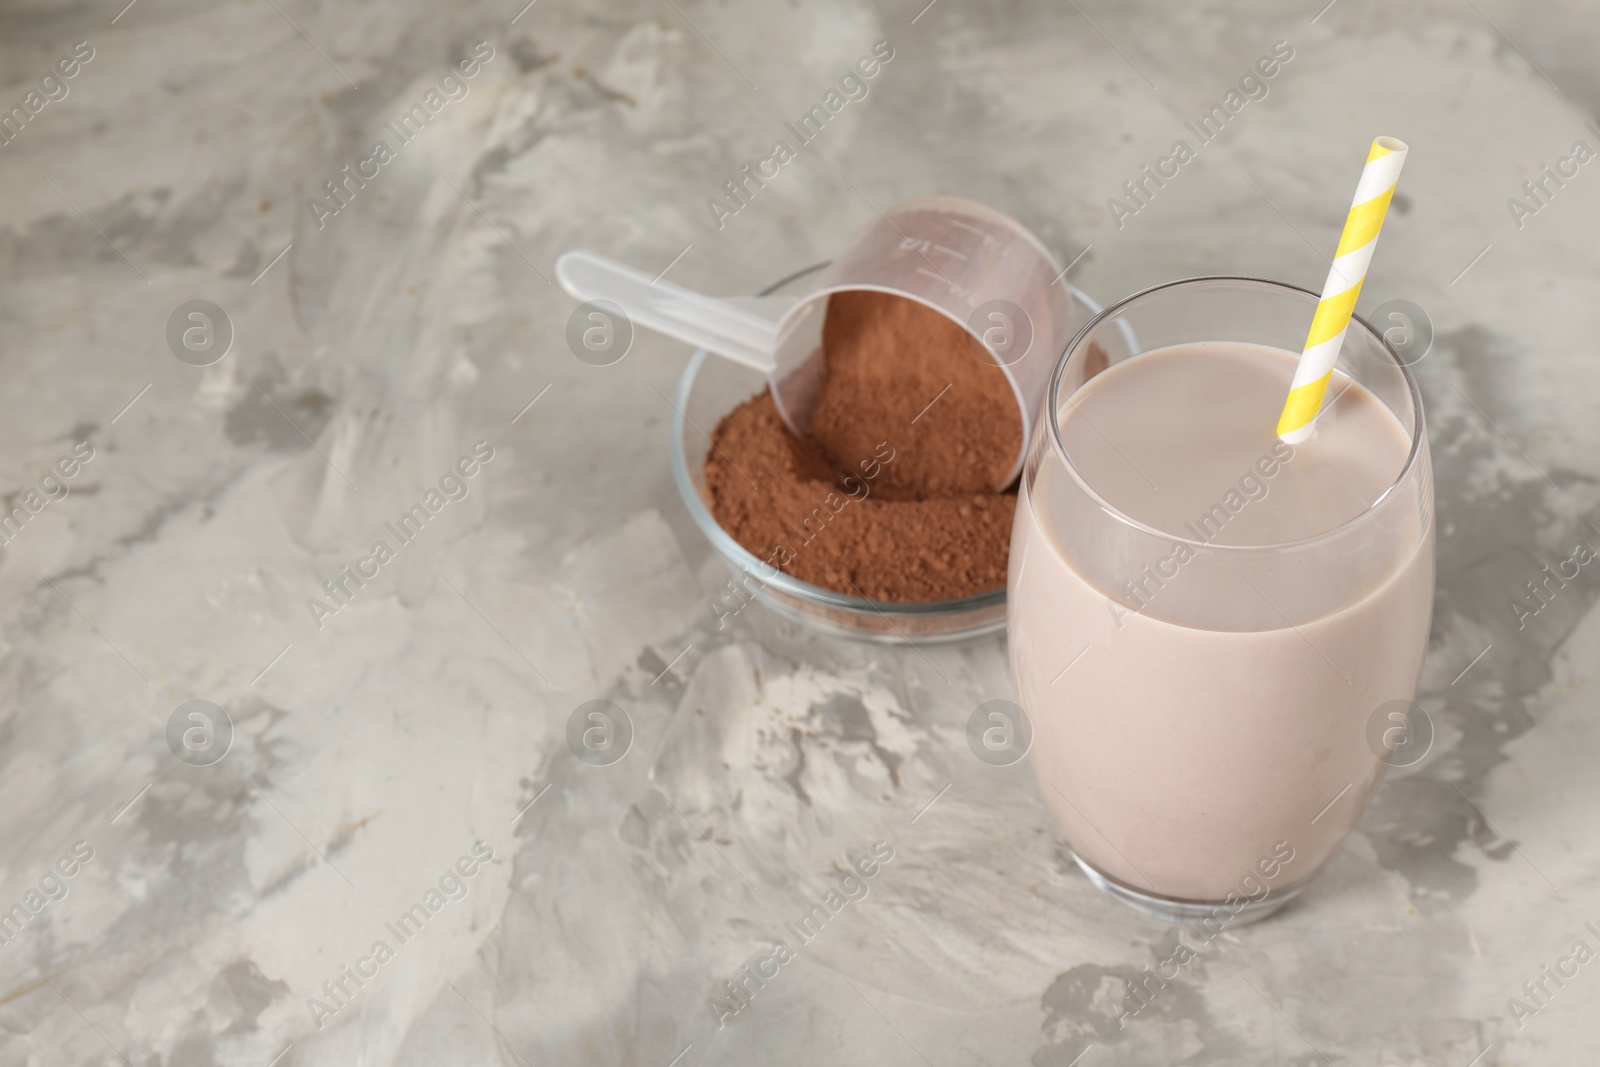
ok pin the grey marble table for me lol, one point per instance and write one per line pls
(383, 760)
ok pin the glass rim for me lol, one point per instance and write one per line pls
(1053, 417)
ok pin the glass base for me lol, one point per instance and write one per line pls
(1212, 916)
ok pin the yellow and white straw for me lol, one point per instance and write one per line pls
(1339, 293)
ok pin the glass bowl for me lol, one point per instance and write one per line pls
(709, 389)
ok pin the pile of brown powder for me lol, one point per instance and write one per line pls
(891, 495)
(900, 372)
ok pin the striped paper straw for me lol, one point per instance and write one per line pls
(1339, 293)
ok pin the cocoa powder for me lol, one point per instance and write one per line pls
(891, 495)
(896, 370)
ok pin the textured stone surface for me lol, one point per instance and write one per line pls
(429, 715)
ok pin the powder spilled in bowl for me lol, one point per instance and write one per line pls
(891, 494)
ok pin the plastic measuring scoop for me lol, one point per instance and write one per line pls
(969, 262)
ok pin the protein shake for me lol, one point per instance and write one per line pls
(1203, 618)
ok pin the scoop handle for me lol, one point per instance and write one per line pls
(743, 332)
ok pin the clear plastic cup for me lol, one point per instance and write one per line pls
(969, 262)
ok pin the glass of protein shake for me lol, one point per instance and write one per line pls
(1204, 620)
